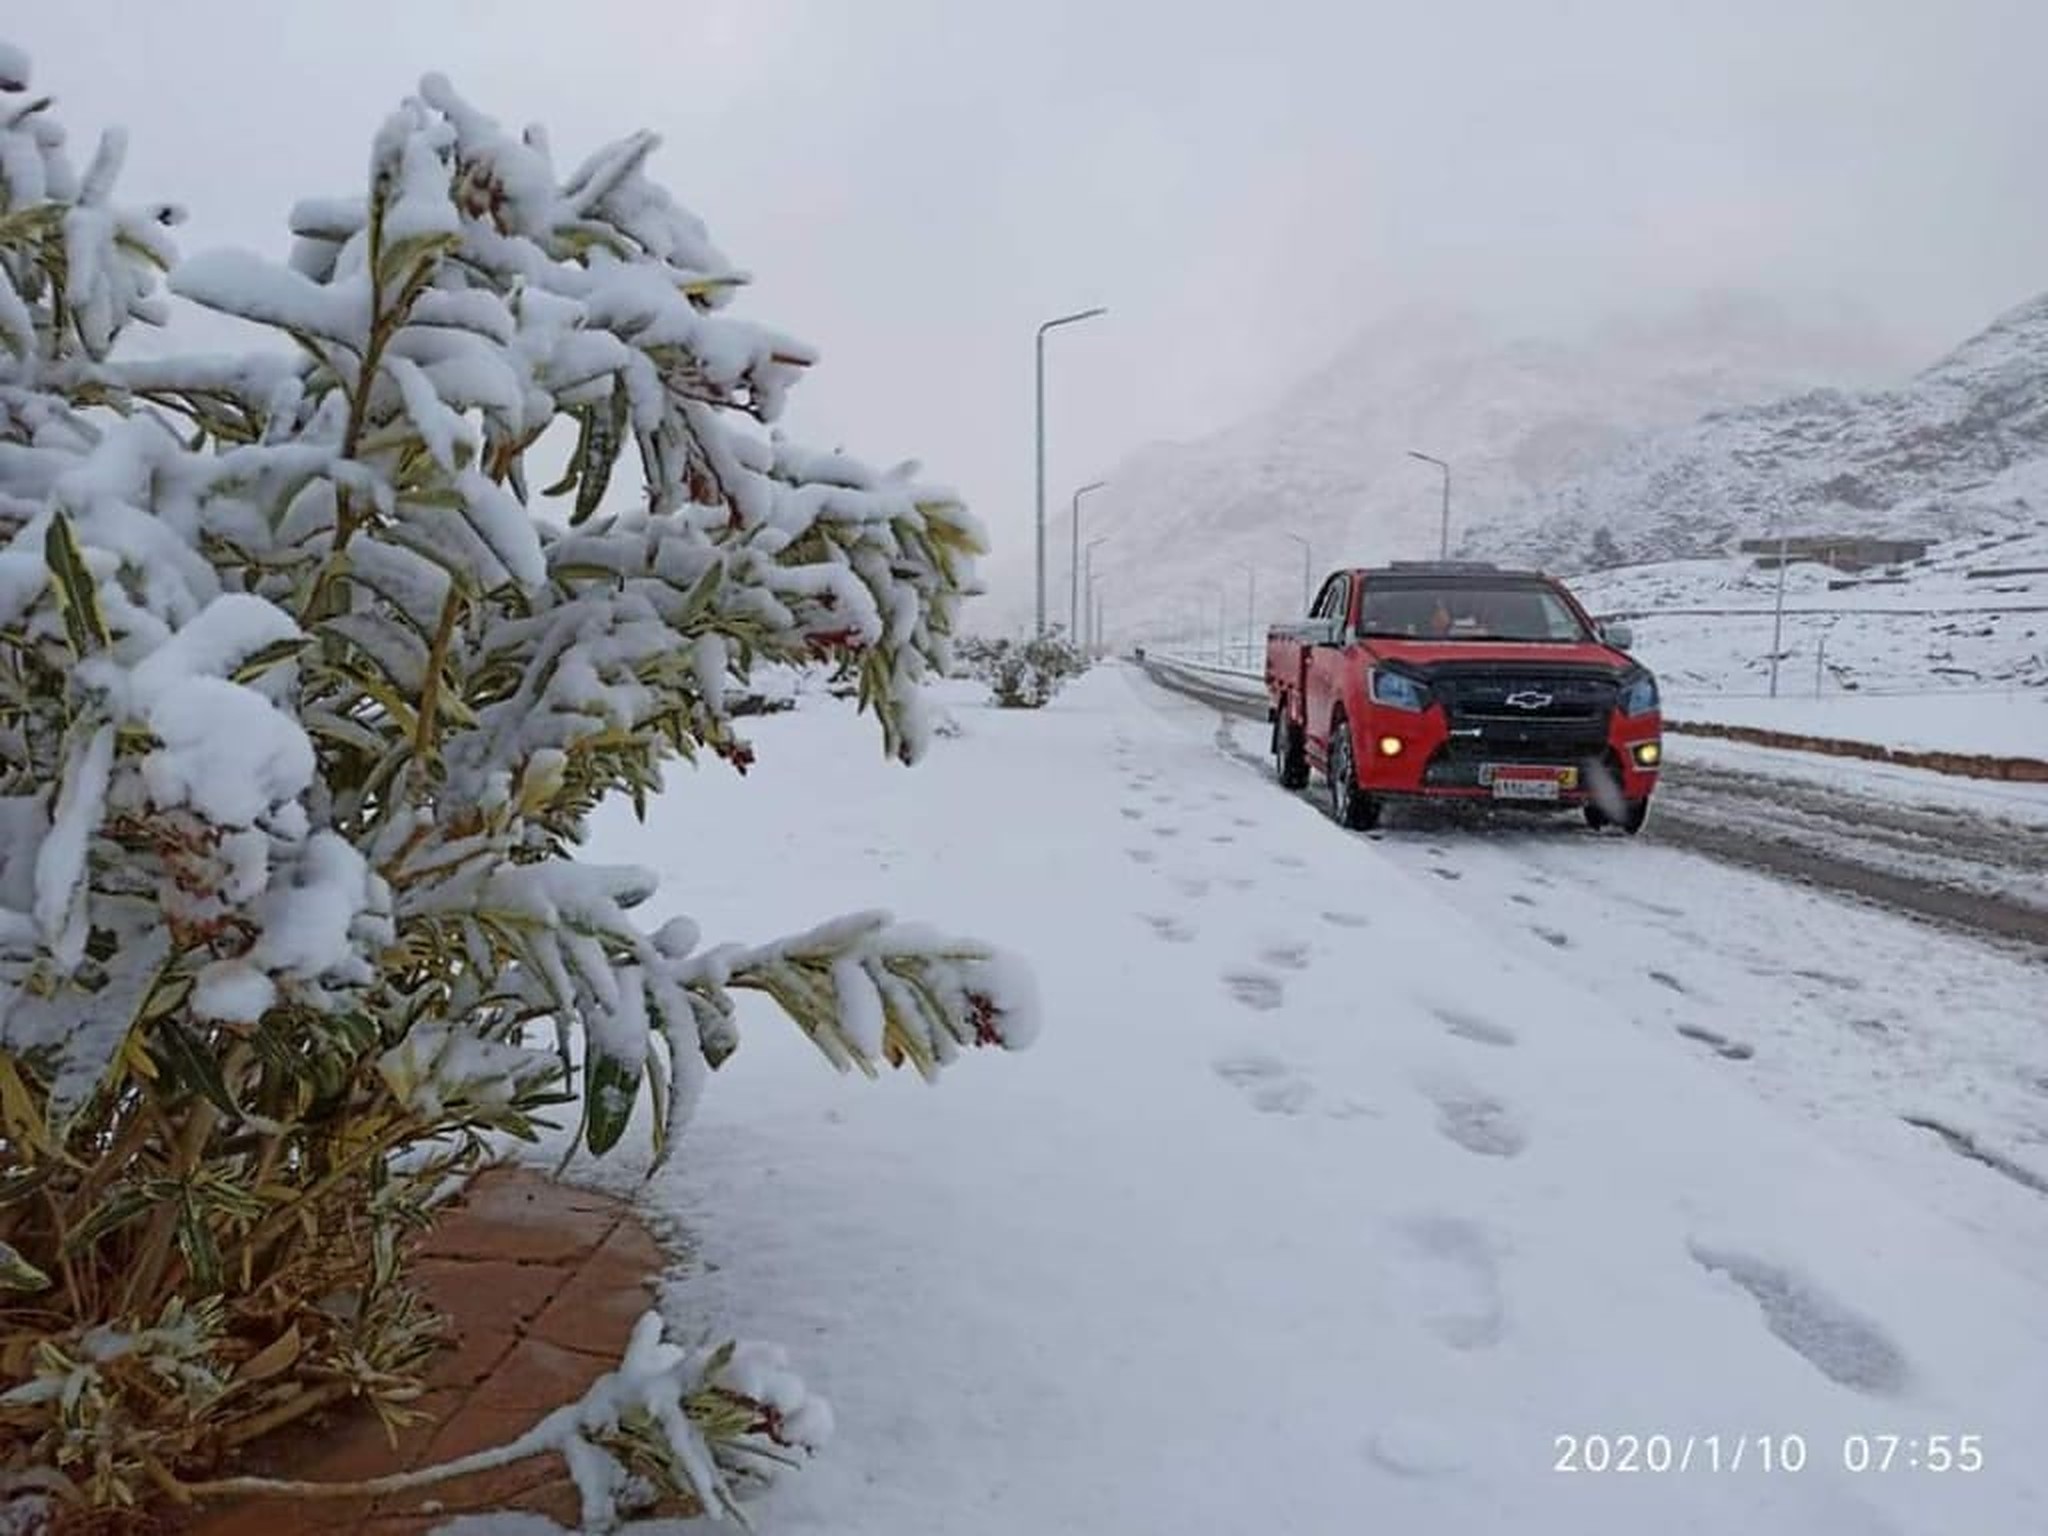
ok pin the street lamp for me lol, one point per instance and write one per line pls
(1049, 325)
(1307, 569)
(1444, 552)
(1074, 562)
(1251, 613)
(1088, 561)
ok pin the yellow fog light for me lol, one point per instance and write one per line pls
(1649, 753)
(1390, 746)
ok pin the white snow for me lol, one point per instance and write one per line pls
(226, 752)
(1326, 1198)
(232, 990)
(2010, 723)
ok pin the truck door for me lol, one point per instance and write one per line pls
(1324, 665)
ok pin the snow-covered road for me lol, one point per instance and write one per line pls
(1351, 1174)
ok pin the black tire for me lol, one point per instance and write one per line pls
(1290, 759)
(1351, 806)
(1637, 818)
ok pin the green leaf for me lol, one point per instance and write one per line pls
(573, 470)
(274, 654)
(18, 1275)
(121, 1206)
(610, 1088)
(76, 596)
(600, 454)
(188, 1062)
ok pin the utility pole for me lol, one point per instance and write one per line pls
(1444, 543)
(1053, 324)
(1251, 613)
(1778, 614)
(1074, 614)
(1307, 570)
(1088, 561)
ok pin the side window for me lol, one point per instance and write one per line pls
(1334, 599)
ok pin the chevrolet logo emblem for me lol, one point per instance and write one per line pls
(1528, 698)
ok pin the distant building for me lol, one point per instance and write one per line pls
(1842, 551)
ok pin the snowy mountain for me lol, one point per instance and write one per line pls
(1515, 414)
(1959, 450)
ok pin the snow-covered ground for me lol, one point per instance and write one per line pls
(1350, 1175)
(2020, 802)
(1980, 645)
(2001, 724)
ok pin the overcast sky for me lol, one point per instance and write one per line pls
(916, 183)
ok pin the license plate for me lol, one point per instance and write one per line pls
(1513, 782)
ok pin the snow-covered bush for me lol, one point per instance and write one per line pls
(1024, 674)
(306, 694)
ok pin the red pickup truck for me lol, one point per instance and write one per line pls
(1461, 681)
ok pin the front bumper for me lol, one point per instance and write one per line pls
(1410, 755)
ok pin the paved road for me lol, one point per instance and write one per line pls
(1969, 872)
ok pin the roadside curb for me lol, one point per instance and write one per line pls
(1965, 765)
(541, 1283)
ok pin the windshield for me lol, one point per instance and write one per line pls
(1469, 611)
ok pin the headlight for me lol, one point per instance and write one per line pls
(1397, 690)
(1638, 695)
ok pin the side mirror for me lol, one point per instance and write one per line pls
(1620, 636)
(1324, 631)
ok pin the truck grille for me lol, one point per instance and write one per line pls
(1500, 714)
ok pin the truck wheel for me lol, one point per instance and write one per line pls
(1290, 761)
(1351, 806)
(1638, 816)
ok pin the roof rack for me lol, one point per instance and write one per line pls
(1440, 565)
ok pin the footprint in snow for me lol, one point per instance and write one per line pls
(1476, 1121)
(1222, 837)
(1470, 1026)
(1266, 1082)
(1721, 1045)
(1459, 1274)
(1553, 938)
(1141, 855)
(1445, 874)
(1167, 927)
(1131, 812)
(1289, 957)
(1166, 829)
(1842, 1345)
(1239, 882)
(1521, 899)
(1255, 989)
(1192, 885)
(1352, 1109)
(1830, 979)
(1347, 919)
(1666, 979)
(1417, 1451)
(1242, 821)
(1290, 861)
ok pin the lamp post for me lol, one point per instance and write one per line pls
(1778, 611)
(1074, 319)
(1251, 613)
(1074, 614)
(1222, 616)
(1307, 569)
(1444, 549)
(1088, 563)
